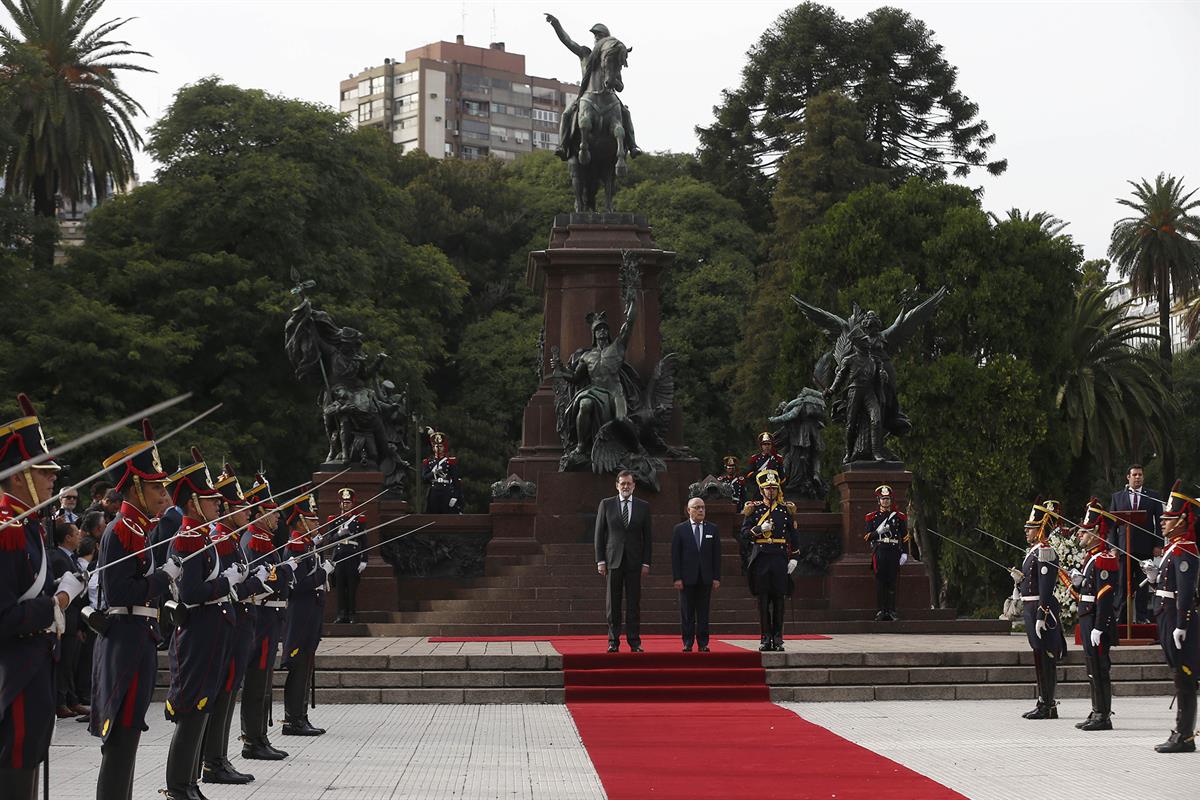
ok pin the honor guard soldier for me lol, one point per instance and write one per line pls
(125, 660)
(215, 750)
(440, 472)
(1042, 611)
(1174, 582)
(737, 483)
(887, 533)
(270, 611)
(31, 608)
(204, 626)
(1096, 584)
(305, 611)
(348, 555)
(765, 459)
(769, 529)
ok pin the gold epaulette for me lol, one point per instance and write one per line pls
(790, 506)
(749, 508)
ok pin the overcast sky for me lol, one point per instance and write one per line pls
(1081, 96)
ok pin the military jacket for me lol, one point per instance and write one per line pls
(894, 526)
(781, 540)
(1039, 575)
(1175, 604)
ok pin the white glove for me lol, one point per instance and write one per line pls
(1179, 635)
(903, 559)
(261, 573)
(291, 562)
(767, 526)
(233, 573)
(70, 585)
(327, 565)
(792, 566)
(1039, 628)
(1150, 570)
(1096, 636)
(361, 566)
(1016, 574)
(1076, 578)
(59, 626)
(172, 569)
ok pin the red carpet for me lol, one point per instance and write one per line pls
(734, 750)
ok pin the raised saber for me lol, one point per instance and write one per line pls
(970, 550)
(322, 525)
(386, 541)
(93, 436)
(324, 547)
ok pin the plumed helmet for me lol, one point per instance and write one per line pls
(194, 480)
(23, 439)
(139, 460)
(766, 438)
(883, 491)
(600, 29)
(730, 461)
(227, 484)
(768, 477)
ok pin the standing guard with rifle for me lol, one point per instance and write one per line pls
(887, 532)
(440, 472)
(1096, 584)
(769, 528)
(1041, 610)
(31, 607)
(217, 767)
(270, 612)
(204, 626)
(348, 555)
(125, 660)
(765, 459)
(305, 612)
(1174, 582)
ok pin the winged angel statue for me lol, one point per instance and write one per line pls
(858, 376)
(607, 417)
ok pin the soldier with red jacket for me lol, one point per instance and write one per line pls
(1096, 584)
(766, 459)
(887, 533)
(440, 474)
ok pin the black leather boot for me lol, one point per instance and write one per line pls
(1040, 677)
(1103, 689)
(216, 767)
(1090, 666)
(182, 756)
(764, 623)
(777, 606)
(1183, 738)
(118, 755)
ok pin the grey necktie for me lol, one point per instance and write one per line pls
(625, 512)
(1134, 498)
(696, 530)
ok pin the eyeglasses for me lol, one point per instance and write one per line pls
(70, 497)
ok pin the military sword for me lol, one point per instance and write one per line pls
(322, 525)
(324, 547)
(386, 541)
(94, 435)
(1007, 569)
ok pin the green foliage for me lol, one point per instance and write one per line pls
(73, 120)
(1185, 429)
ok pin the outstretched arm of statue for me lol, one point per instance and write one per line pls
(573, 46)
(630, 318)
(791, 413)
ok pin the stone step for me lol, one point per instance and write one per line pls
(444, 695)
(961, 691)
(747, 629)
(880, 676)
(1145, 656)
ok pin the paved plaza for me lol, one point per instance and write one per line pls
(981, 749)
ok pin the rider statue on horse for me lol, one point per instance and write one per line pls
(596, 132)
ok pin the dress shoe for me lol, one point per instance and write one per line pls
(687, 648)
(703, 648)
(1178, 743)
(637, 648)
(892, 616)
(765, 647)
(261, 751)
(338, 620)
(880, 616)
(62, 712)
(612, 648)
(777, 645)
(217, 773)
(1099, 723)
(88, 718)
(301, 727)
(352, 620)
(1090, 717)
(80, 709)
(1042, 712)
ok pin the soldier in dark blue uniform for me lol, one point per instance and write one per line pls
(1174, 583)
(348, 555)
(306, 608)
(765, 459)
(1096, 583)
(737, 483)
(200, 649)
(768, 528)
(125, 661)
(887, 533)
(440, 474)
(1042, 611)
(270, 612)
(31, 608)
(215, 750)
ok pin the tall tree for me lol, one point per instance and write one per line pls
(73, 119)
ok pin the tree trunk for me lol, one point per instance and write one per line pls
(1164, 349)
(43, 206)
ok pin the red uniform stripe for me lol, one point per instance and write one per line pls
(262, 659)
(130, 703)
(229, 677)
(18, 718)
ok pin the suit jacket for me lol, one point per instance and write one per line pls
(61, 564)
(1141, 543)
(694, 565)
(615, 540)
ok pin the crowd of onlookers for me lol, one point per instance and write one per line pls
(75, 536)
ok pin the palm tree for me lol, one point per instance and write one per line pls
(73, 121)
(1047, 223)
(1158, 248)
(1114, 391)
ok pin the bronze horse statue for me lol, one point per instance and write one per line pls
(598, 144)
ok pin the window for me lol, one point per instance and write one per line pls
(545, 140)
(405, 104)
(500, 83)
(475, 108)
(350, 94)
(370, 86)
(369, 110)
(472, 153)
(545, 94)
(503, 155)
(521, 88)
(476, 130)
(500, 133)
(406, 77)
(542, 115)
(520, 136)
(449, 148)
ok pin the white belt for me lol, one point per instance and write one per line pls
(1031, 598)
(217, 602)
(136, 611)
(1165, 593)
(276, 604)
(1087, 598)
(888, 541)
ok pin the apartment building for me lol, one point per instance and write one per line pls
(455, 100)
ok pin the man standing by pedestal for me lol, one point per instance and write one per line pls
(887, 533)
(696, 570)
(623, 550)
(769, 527)
(1139, 543)
(348, 556)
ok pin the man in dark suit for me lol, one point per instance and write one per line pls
(63, 560)
(623, 556)
(696, 570)
(1139, 543)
